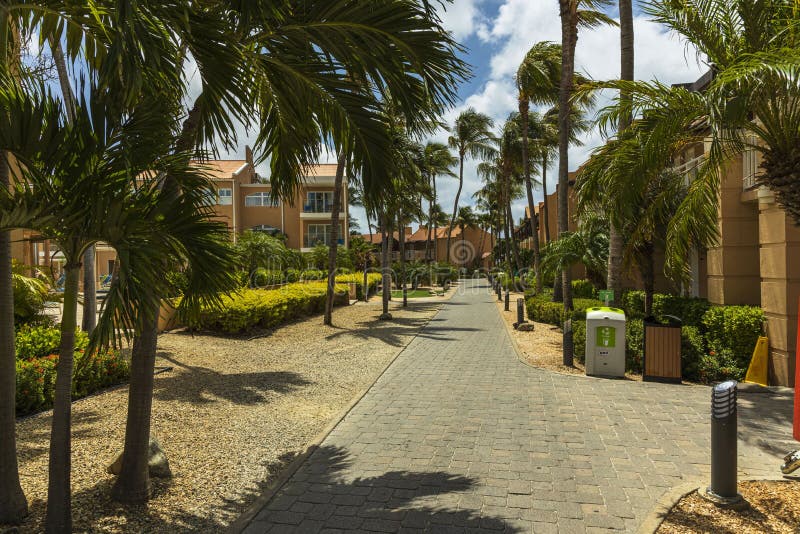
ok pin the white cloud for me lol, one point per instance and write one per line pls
(462, 18)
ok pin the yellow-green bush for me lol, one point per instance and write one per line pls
(267, 308)
(373, 279)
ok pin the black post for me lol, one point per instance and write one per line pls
(724, 450)
(520, 311)
(499, 293)
(508, 299)
(405, 295)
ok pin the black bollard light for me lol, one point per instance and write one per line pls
(520, 311)
(405, 296)
(508, 299)
(724, 446)
(499, 293)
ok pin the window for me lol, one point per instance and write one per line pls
(321, 234)
(260, 199)
(318, 202)
(225, 197)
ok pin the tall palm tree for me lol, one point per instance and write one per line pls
(466, 219)
(573, 13)
(616, 241)
(471, 136)
(750, 103)
(437, 161)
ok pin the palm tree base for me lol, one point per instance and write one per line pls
(385, 317)
(782, 176)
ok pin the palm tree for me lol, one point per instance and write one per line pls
(83, 173)
(471, 135)
(616, 241)
(750, 103)
(572, 15)
(587, 246)
(437, 160)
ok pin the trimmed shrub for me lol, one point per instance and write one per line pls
(292, 275)
(693, 350)
(33, 342)
(720, 365)
(583, 289)
(266, 308)
(731, 334)
(579, 340)
(373, 279)
(633, 304)
(313, 275)
(542, 310)
(92, 372)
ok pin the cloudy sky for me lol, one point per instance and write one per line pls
(498, 33)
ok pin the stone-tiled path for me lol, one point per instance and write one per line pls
(459, 436)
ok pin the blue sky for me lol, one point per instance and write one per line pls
(498, 33)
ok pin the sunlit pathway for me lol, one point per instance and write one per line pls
(459, 436)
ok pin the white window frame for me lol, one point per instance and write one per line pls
(318, 198)
(260, 199)
(225, 196)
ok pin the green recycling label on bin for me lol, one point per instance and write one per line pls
(606, 336)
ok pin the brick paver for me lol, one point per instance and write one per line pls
(459, 436)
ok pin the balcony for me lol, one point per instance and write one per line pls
(310, 241)
(316, 211)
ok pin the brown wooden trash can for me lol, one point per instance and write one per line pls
(662, 353)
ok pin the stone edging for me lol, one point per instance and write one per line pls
(244, 520)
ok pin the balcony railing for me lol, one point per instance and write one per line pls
(689, 168)
(312, 241)
(316, 208)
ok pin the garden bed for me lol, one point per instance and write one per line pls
(230, 414)
(774, 507)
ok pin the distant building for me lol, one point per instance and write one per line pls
(466, 250)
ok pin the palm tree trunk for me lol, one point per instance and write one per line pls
(647, 268)
(526, 171)
(131, 481)
(337, 201)
(133, 484)
(513, 241)
(386, 269)
(59, 499)
(401, 234)
(615, 237)
(89, 267)
(569, 37)
(544, 205)
(435, 243)
(455, 204)
(13, 504)
(430, 219)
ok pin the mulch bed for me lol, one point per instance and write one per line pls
(774, 508)
(230, 415)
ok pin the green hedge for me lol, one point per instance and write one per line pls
(693, 351)
(689, 309)
(266, 308)
(542, 310)
(32, 342)
(373, 279)
(731, 333)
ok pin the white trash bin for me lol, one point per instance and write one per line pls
(605, 342)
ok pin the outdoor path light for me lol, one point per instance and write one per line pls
(724, 446)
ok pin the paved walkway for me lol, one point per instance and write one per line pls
(459, 436)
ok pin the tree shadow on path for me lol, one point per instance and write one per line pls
(324, 494)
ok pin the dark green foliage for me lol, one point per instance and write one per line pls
(178, 282)
(29, 298)
(693, 350)
(731, 334)
(542, 310)
(634, 345)
(579, 340)
(33, 342)
(689, 309)
(264, 278)
(633, 304)
(583, 289)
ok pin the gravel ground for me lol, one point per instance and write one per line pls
(774, 508)
(543, 347)
(230, 414)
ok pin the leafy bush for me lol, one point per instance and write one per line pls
(33, 342)
(634, 345)
(313, 274)
(720, 365)
(579, 340)
(178, 282)
(693, 350)
(29, 297)
(292, 275)
(92, 372)
(266, 308)
(689, 309)
(262, 277)
(542, 310)
(633, 304)
(583, 289)
(732, 332)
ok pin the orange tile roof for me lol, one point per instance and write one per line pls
(375, 238)
(323, 169)
(221, 169)
(441, 233)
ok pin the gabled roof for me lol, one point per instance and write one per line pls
(222, 169)
(422, 234)
(375, 238)
(323, 169)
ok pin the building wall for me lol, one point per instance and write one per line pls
(780, 286)
(733, 264)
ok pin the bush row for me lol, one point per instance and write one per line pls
(373, 279)
(717, 342)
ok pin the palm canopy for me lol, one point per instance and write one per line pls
(471, 135)
(539, 76)
(96, 178)
(438, 160)
(752, 101)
